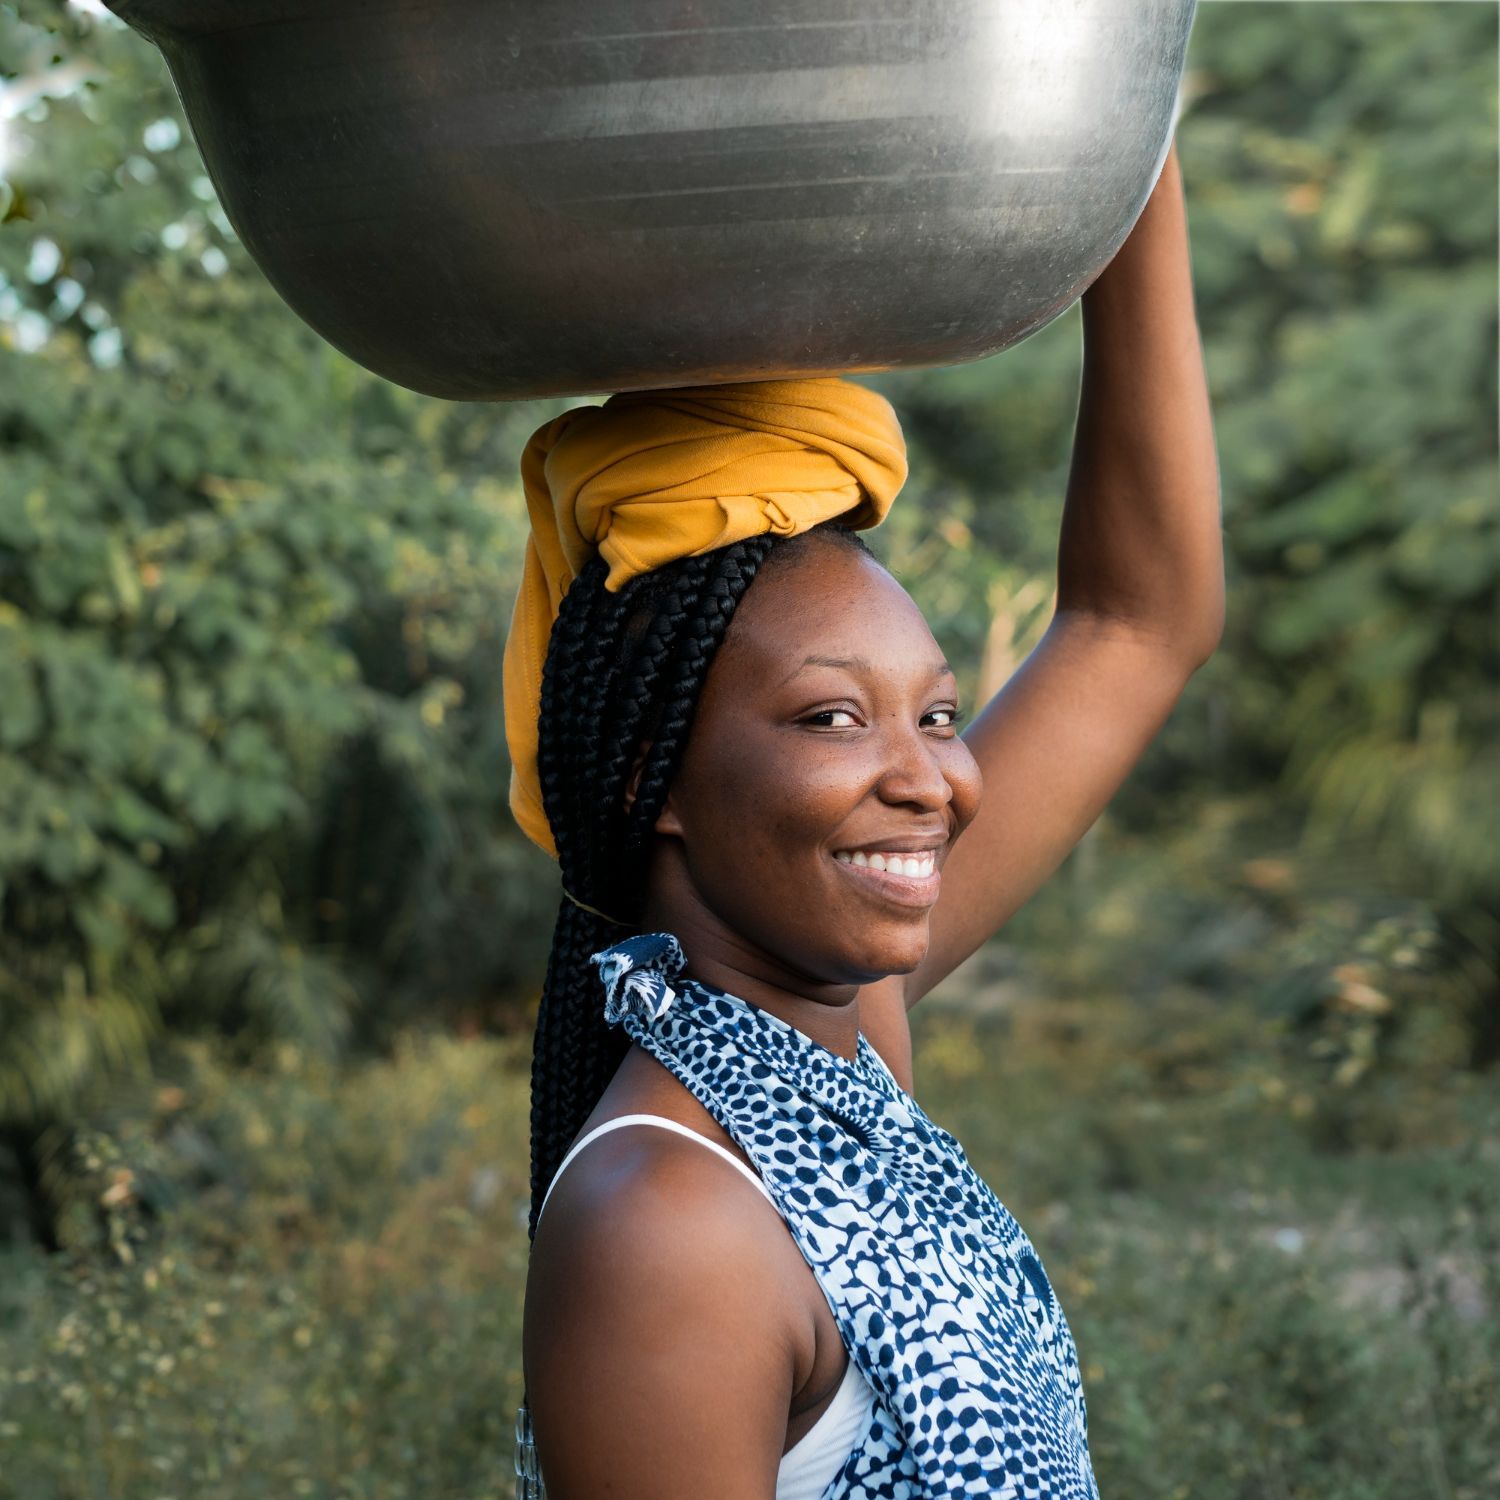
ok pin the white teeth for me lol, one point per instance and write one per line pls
(913, 866)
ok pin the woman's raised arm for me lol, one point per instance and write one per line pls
(1140, 596)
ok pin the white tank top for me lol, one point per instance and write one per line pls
(809, 1465)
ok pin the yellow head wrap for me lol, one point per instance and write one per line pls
(651, 476)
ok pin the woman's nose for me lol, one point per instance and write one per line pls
(914, 771)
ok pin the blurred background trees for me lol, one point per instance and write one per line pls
(252, 604)
(251, 607)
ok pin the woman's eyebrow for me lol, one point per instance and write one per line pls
(853, 664)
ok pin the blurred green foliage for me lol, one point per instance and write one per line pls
(1255, 1316)
(303, 1279)
(256, 869)
(1340, 167)
(251, 767)
(251, 608)
(292, 1280)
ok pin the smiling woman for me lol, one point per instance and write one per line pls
(736, 733)
(654, 1277)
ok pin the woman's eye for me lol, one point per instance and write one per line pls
(948, 718)
(832, 713)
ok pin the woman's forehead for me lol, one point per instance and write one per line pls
(834, 604)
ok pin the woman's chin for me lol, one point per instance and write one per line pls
(900, 955)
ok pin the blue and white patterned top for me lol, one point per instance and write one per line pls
(939, 1295)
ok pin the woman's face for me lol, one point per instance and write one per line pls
(824, 746)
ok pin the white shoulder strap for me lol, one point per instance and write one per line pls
(666, 1124)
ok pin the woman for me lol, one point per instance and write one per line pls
(774, 842)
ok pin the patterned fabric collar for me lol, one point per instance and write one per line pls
(939, 1294)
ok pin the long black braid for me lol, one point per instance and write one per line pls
(622, 669)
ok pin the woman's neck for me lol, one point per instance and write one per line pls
(719, 956)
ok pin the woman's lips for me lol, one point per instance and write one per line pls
(903, 890)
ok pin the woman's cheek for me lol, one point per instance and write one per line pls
(967, 781)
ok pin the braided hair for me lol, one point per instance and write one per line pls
(622, 669)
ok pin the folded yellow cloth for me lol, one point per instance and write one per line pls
(650, 476)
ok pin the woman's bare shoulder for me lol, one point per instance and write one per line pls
(661, 1346)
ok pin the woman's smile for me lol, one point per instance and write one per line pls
(906, 879)
(901, 869)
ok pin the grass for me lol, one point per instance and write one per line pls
(330, 1307)
(1256, 1315)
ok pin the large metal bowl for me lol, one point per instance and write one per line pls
(498, 199)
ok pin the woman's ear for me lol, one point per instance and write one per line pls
(667, 820)
(633, 781)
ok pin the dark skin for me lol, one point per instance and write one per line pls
(677, 1364)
